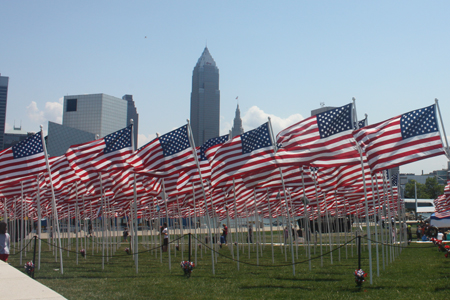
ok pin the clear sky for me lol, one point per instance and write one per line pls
(281, 58)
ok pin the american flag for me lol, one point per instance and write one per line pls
(165, 155)
(205, 153)
(102, 155)
(401, 140)
(324, 140)
(246, 153)
(23, 159)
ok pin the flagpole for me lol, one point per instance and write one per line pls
(53, 199)
(191, 141)
(76, 217)
(38, 200)
(366, 206)
(319, 214)
(236, 223)
(285, 197)
(443, 128)
(270, 222)
(167, 218)
(307, 229)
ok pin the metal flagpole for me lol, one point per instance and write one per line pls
(53, 199)
(76, 217)
(366, 208)
(307, 230)
(285, 199)
(167, 218)
(443, 128)
(236, 223)
(194, 152)
(319, 216)
(270, 222)
(38, 200)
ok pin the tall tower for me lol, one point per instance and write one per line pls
(132, 114)
(3, 99)
(237, 124)
(205, 99)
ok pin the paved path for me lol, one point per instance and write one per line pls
(16, 285)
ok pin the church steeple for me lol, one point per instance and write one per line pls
(237, 124)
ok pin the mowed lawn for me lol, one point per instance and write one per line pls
(419, 272)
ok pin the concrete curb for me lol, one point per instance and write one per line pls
(16, 285)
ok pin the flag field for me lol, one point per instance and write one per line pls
(417, 273)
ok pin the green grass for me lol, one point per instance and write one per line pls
(415, 274)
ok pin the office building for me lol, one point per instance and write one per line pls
(86, 116)
(3, 100)
(14, 136)
(237, 124)
(132, 115)
(205, 99)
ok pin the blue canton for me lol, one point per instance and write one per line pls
(118, 140)
(335, 121)
(361, 124)
(175, 141)
(256, 139)
(210, 143)
(28, 147)
(419, 122)
(394, 177)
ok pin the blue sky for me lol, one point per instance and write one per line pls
(282, 58)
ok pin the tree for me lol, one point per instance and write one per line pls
(410, 190)
(430, 190)
(433, 188)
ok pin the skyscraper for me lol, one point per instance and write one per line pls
(85, 116)
(132, 114)
(205, 99)
(237, 124)
(3, 99)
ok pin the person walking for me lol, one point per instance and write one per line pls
(5, 241)
(225, 233)
(165, 232)
(125, 235)
(250, 233)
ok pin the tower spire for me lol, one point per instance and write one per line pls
(237, 123)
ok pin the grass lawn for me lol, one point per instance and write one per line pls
(418, 273)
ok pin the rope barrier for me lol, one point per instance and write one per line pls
(145, 251)
(22, 249)
(398, 246)
(274, 266)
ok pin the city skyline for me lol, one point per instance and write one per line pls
(281, 60)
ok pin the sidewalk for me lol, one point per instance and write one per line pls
(15, 285)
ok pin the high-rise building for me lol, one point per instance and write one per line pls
(205, 99)
(86, 116)
(237, 124)
(132, 115)
(3, 100)
(15, 136)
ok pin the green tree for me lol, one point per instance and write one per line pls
(410, 190)
(433, 188)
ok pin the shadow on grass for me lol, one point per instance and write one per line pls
(274, 287)
(307, 279)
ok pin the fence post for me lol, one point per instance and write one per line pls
(359, 252)
(189, 247)
(34, 256)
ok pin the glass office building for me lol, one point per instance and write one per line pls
(205, 99)
(86, 116)
(3, 100)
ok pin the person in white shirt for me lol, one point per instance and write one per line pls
(5, 241)
(165, 232)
